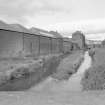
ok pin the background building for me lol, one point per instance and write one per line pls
(79, 39)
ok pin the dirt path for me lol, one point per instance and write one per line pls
(74, 81)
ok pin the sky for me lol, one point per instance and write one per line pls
(65, 16)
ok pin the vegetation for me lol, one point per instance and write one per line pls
(94, 78)
(68, 66)
(29, 75)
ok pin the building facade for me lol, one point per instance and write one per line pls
(79, 38)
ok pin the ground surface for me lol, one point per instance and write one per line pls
(52, 92)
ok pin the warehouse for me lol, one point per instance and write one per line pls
(16, 40)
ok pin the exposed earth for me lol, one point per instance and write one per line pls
(53, 92)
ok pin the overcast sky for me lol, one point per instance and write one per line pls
(65, 16)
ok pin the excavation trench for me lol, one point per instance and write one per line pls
(72, 84)
(51, 92)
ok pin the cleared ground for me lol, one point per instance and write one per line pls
(54, 93)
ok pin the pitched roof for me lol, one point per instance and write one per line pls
(3, 25)
(56, 34)
(19, 28)
(41, 32)
(34, 31)
(13, 27)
